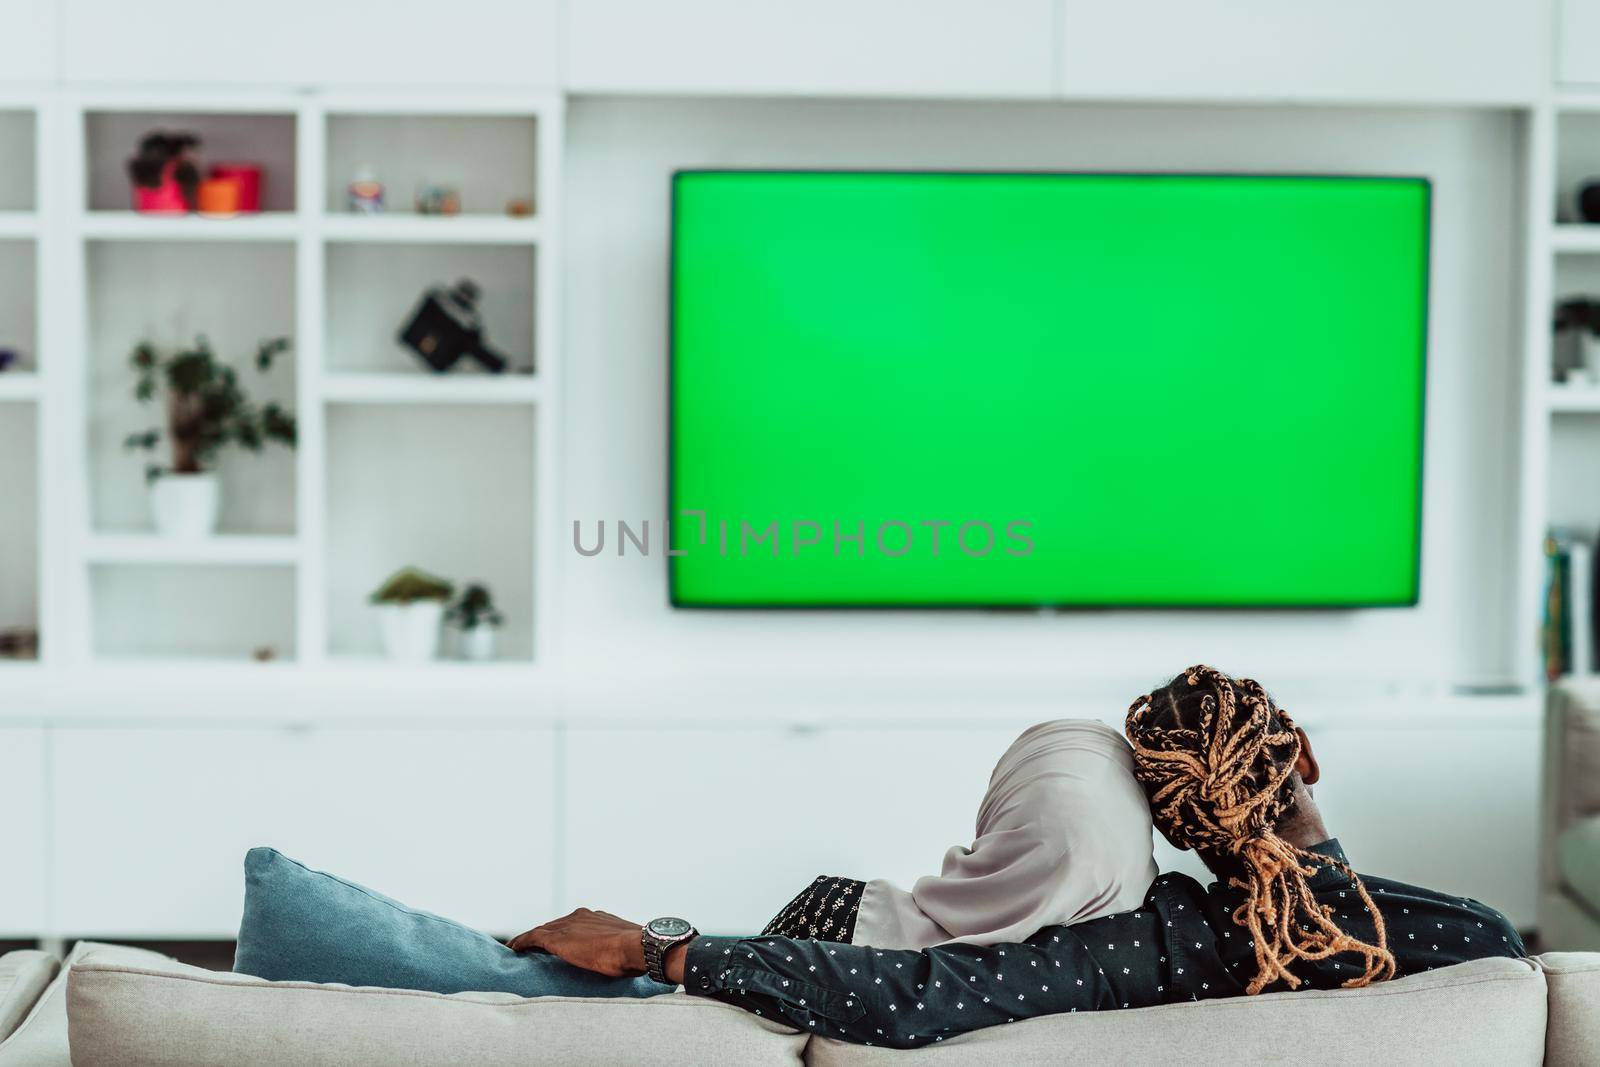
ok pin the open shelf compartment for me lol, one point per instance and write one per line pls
(444, 488)
(19, 529)
(373, 290)
(489, 160)
(170, 293)
(264, 138)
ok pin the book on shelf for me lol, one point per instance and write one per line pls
(1568, 631)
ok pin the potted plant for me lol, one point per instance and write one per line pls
(165, 176)
(478, 619)
(205, 410)
(1581, 313)
(410, 606)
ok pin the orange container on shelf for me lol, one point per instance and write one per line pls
(248, 175)
(219, 196)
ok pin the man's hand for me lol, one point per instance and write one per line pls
(593, 940)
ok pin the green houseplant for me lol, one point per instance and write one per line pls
(410, 607)
(206, 410)
(477, 617)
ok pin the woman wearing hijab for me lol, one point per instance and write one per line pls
(1063, 835)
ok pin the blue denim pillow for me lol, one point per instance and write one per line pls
(302, 925)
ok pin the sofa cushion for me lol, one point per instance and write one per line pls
(177, 1016)
(1489, 1011)
(23, 976)
(1573, 1032)
(1578, 859)
(41, 1040)
(302, 925)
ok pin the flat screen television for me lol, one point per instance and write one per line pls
(1029, 389)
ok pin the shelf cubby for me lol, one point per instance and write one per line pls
(489, 159)
(19, 534)
(445, 488)
(177, 611)
(1574, 478)
(373, 288)
(18, 305)
(1577, 160)
(113, 136)
(170, 292)
(17, 162)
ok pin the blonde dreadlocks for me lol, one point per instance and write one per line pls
(1216, 758)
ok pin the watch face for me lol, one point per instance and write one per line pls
(669, 927)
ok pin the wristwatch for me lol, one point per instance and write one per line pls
(658, 936)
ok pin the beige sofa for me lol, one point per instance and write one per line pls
(132, 1008)
(1569, 897)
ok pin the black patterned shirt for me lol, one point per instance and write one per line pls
(1182, 944)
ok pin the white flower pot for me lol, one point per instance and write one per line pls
(184, 505)
(477, 644)
(410, 632)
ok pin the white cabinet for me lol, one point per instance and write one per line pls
(942, 48)
(408, 44)
(28, 28)
(725, 826)
(1492, 51)
(1453, 808)
(22, 855)
(1578, 42)
(454, 820)
(151, 826)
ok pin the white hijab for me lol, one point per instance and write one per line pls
(1063, 836)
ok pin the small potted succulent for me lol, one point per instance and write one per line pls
(478, 619)
(410, 608)
(205, 410)
(1581, 313)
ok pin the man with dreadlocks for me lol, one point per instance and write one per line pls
(1228, 774)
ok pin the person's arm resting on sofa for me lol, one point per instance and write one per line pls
(902, 999)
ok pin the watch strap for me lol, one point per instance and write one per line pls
(655, 952)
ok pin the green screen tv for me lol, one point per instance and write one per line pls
(1046, 390)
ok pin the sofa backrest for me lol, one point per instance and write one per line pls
(132, 1007)
(123, 1014)
(1489, 1011)
(1572, 1034)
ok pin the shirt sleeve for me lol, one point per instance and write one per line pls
(907, 999)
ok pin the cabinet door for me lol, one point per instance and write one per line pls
(30, 37)
(459, 822)
(305, 42)
(22, 800)
(947, 48)
(1578, 42)
(1383, 50)
(1454, 809)
(724, 826)
(151, 825)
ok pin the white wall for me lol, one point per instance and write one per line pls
(620, 157)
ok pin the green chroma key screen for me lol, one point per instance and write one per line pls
(971, 389)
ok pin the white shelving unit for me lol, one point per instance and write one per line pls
(286, 576)
(223, 549)
(1561, 430)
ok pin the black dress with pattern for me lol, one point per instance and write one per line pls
(825, 910)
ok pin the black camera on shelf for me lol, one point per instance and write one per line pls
(446, 326)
